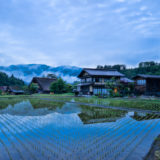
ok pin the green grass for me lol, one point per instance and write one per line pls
(53, 95)
(38, 103)
(138, 103)
(92, 113)
(9, 101)
(146, 104)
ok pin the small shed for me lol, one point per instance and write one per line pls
(147, 84)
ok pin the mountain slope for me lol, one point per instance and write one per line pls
(27, 72)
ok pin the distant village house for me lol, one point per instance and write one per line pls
(43, 83)
(147, 84)
(3, 89)
(13, 90)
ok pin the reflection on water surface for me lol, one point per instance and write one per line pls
(37, 129)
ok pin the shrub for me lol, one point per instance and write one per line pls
(33, 88)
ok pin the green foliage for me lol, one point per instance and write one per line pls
(26, 90)
(111, 84)
(33, 88)
(69, 88)
(152, 68)
(118, 67)
(5, 80)
(125, 89)
(0, 92)
(58, 86)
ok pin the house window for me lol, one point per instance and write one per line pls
(107, 80)
(102, 91)
(97, 79)
(141, 82)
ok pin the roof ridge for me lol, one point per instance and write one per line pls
(103, 69)
(44, 78)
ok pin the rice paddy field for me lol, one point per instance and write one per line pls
(35, 128)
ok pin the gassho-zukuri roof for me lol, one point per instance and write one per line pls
(147, 76)
(101, 72)
(44, 83)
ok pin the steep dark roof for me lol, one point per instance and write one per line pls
(44, 83)
(3, 88)
(101, 72)
(147, 76)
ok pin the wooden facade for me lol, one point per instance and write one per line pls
(13, 90)
(147, 84)
(93, 81)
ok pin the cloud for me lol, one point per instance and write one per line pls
(81, 33)
(121, 1)
(143, 8)
(120, 10)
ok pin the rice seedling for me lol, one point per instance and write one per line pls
(92, 133)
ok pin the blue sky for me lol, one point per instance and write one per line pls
(79, 32)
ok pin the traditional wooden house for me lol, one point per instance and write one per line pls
(43, 84)
(3, 89)
(15, 90)
(147, 84)
(93, 81)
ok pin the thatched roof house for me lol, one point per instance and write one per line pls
(43, 83)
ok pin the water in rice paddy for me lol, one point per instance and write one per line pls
(28, 132)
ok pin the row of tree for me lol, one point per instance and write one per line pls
(5, 80)
(152, 68)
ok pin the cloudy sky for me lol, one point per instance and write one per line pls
(79, 32)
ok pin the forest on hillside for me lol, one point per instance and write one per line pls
(5, 80)
(151, 68)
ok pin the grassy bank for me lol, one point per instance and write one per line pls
(138, 103)
(89, 114)
(154, 153)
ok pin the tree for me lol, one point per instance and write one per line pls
(58, 86)
(99, 67)
(5, 80)
(26, 89)
(69, 88)
(33, 88)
